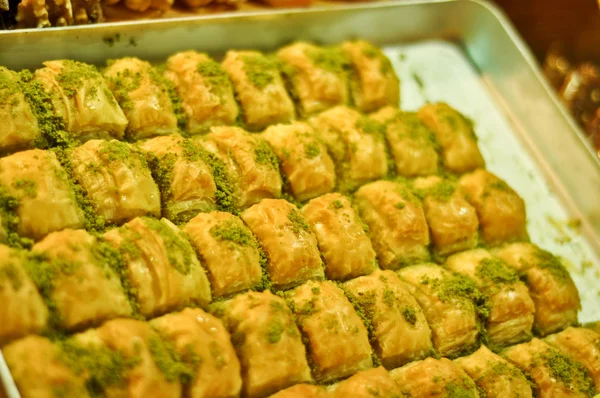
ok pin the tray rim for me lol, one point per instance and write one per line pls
(6, 380)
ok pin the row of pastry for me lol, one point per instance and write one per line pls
(69, 101)
(108, 182)
(72, 280)
(296, 344)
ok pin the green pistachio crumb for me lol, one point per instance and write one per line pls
(261, 70)
(264, 155)
(298, 223)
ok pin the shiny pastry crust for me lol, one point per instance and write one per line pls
(374, 83)
(396, 221)
(455, 134)
(338, 342)
(287, 240)
(305, 162)
(267, 342)
(228, 250)
(143, 96)
(259, 88)
(343, 242)
(400, 331)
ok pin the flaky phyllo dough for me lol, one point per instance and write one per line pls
(205, 90)
(117, 180)
(82, 98)
(20, 127)
(144, 96)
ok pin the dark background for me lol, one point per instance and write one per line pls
(542, 22)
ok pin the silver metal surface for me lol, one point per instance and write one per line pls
(465, 52)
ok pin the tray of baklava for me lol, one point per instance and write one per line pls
(268, 224)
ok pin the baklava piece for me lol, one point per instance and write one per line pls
(338, 342)
(582, 345)
(373, 83)
(356, 144)
(494, 376)
(267, 342)
(251, 162)
(305, 162)
(128, 358)
(143, 95)
(554, 294)
(449, 303)
(205, 90)
(413, 146)
(456, 136)
(204, 345)
(434, 378)
(396, 221)
(400, 331)
(511, 309)
(79, 277)
(23, 309)
(191, 179)
(39, 370)
(553, 374)
(343, 241)
(259, 88)
(501, 211)
(46, 200)
(20, 128)
(82, 98)
(228, 250)
(290, 245)
(116, 179)
(452, 220)
(161, 266)
(317, 76)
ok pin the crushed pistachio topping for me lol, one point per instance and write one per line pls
(101, 366)
(550, 262)
(337, 204)
(179, 251)
(232, 231)
(168, 86)
(115, 151)
(298, 223)
(213, 73)
(261, 70)
(93, 222)
(169, 361)
(493, 271)
(74, 75)
(441, 191)
(124, 83)
(409, 314)
(462, 388)
(409, 126)
(331, 59)
(312, 150)
(10, 86)
(106, 254)
(570, 372)
(9, 220)
(52, 127)
(263, 154)
(10, 272)
(27, 186)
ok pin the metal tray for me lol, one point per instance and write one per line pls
(464, 52)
